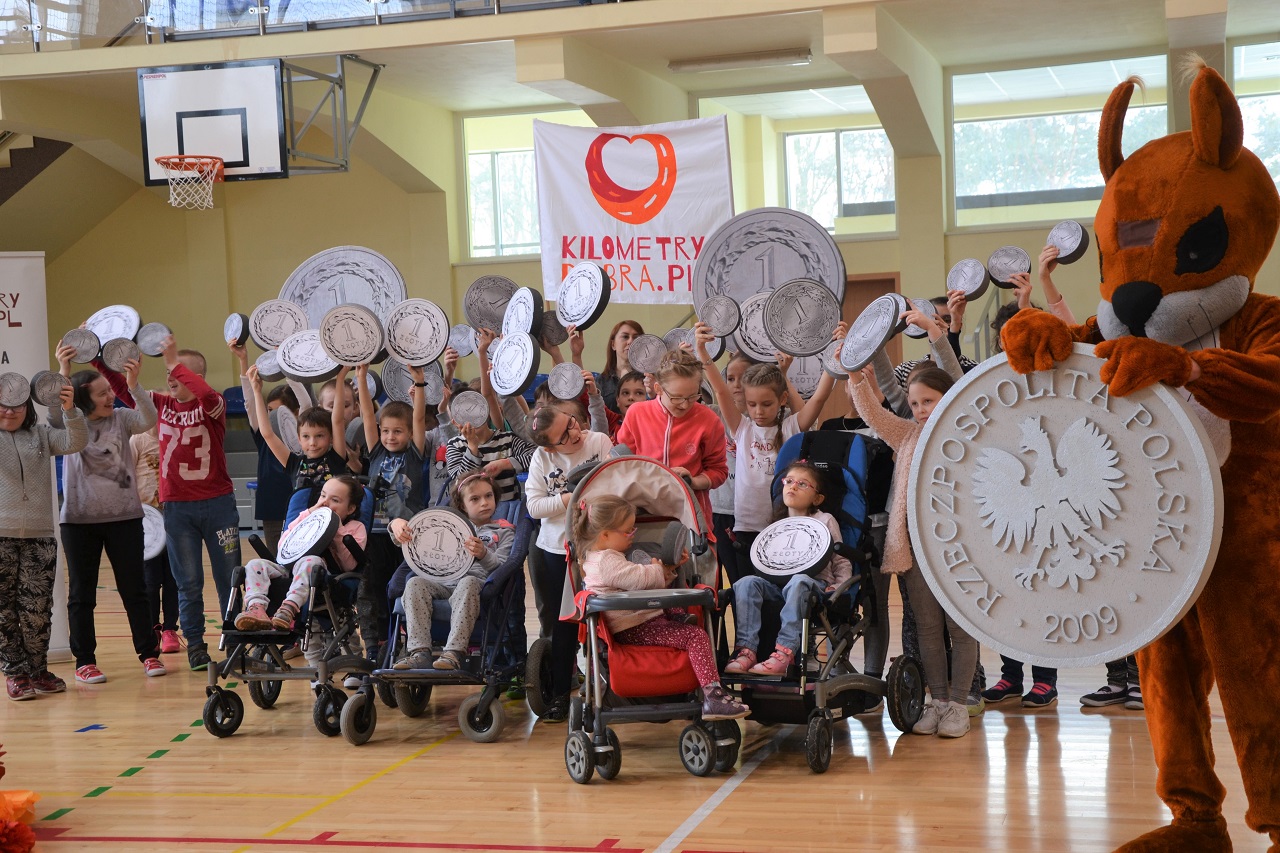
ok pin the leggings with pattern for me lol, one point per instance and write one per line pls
(660, 631)
(26, 603)
(464, 604)
(258, 575)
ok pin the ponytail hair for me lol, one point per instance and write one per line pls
(604, 512)
(769, 376)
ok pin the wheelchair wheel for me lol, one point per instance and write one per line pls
(264, 693)
(697, 750)
(817, 742)
(412, 699)
(905, 692)
(326, 713)
(609, 763)
(481, 728)
(358, 719)
(578, 757)
(386, 692)
(727, 756)
(537, 677)
(223, 713)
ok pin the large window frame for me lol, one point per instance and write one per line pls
(499, 247)
(844, 210)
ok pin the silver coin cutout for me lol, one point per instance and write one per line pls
(553, 331)
(115, 353)
(268, 365)
(1071, 239)
(114, 321)
(351, 335)
(722, 314)
(524, 312)
(154, 540)
(873, 328)
(417, 332)
(436, 549)
(151, 339)
(565, 381)
(674, 338)
(751, 334)
(791, 546)
(433, 390)
(485, 302)
(303, 358)
(310, 536)
(583, 295)
(469, 407)
(970, 277)
(15, 390)
(236, 328)
(86, 344)
(286, 426)
(396, 381)
(831, 360)
(463, 340)
(46, 388)
(344, 275)
(514, 365)
(800, 316)
(928, 309)
(1006, 262)
(805, 373)
(274, 320)
(646, 352)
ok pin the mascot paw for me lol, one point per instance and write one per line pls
(1035, 340)
(1134, 363)
(1200, 836)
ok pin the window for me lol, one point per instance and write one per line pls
(1025, 142)
(840, 175)
(1257, 86)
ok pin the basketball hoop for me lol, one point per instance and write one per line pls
(191, 179)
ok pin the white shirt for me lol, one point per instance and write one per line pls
(547, 473)
(753, 504)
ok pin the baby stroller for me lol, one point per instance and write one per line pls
(491, 664)
(823, 685)
(634, 683)
(257, 657)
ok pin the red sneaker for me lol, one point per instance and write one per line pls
(47, 682)
(19, 688)
(153, 668)
(170, 642)
(90, 674)
(776, 664)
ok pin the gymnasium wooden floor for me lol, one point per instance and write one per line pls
(127, 765)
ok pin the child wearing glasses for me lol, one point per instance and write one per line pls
(677, 430)
(802, 494)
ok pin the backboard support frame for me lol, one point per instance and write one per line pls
(335, 88)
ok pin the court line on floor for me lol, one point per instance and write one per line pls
(730, 785)
(326, 839)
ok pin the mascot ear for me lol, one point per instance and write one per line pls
(1111, 128)
(1217, 129)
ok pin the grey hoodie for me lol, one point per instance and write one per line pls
(26, 482)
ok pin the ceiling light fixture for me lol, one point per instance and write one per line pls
(741, 61)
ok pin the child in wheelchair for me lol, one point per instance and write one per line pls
(602, 531)
(802, 495)
(343, 495)
(474, 495)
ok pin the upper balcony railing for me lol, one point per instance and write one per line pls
(44, 25)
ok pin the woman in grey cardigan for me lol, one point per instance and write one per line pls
(28, 553)
(101, 509)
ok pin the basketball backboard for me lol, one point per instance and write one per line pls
(232, 110)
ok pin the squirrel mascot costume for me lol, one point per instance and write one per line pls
(1184, 225)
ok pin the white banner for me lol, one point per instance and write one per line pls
(638, 201)
(24, 348)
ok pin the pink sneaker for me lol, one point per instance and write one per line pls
(90, 674)
(743, 660)
(253, 618)
(170, 642)
(776, 665)
(153, 668)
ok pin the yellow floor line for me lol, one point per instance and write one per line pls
(255, 795)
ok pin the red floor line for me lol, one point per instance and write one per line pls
(324, 839)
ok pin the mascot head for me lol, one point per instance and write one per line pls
(1185, 222)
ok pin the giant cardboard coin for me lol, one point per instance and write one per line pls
(1060, 525)
(436, 548)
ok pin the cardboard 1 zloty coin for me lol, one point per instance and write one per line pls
(722, 314)
(565, 381)
(524, 312)
(86, 344)
(114, 321)
(463, 339)
(417, 332)
(758, 250)
(303, 358)
(874, 327)
(677, 336)
(344, 275)
(436, 548)
(1071, 239)
(469, 407)
(286, 426)
(514, 364)
(791, 546)
(236, 328)
(46, 388)
(268, 365)
(396, 381)
(903, 307)
(151, 338)
(553, 331)
(751, 335)
(15, 390)
(646, 352)
(583, 296)
(1006, 456)
(433, 384)
(805, 373)
(273, 321)
(310, 536)
(970, 276)
(716, 348)
(116, 352)
(154, 540)
(485, 302)
(831, 360)
(928, 309)
(1006, 262)
(799, 317)
(351, 334)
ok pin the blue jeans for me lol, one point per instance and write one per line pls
(750, 594)
(215, 522)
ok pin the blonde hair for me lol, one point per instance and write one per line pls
(679, 364)
(769, 376)
(604, 512)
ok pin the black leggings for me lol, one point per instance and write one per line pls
(162, 592)
(548, 579)
(83, 544)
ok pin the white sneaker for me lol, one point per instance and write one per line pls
(352, 682)
(928, 723)
(954, 721)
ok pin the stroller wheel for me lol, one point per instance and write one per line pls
(326, 713)
(358, 719)
(817, 742)
(537, 677)
(579, 757)
(697, 750)
(223, 713)
(726, 754)
(481, 727)
(264, 693)
(609, 763)
(905, 692)
(386, 693)
(575, 713)
(412, 699)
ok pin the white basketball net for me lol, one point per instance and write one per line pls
(191, 180)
